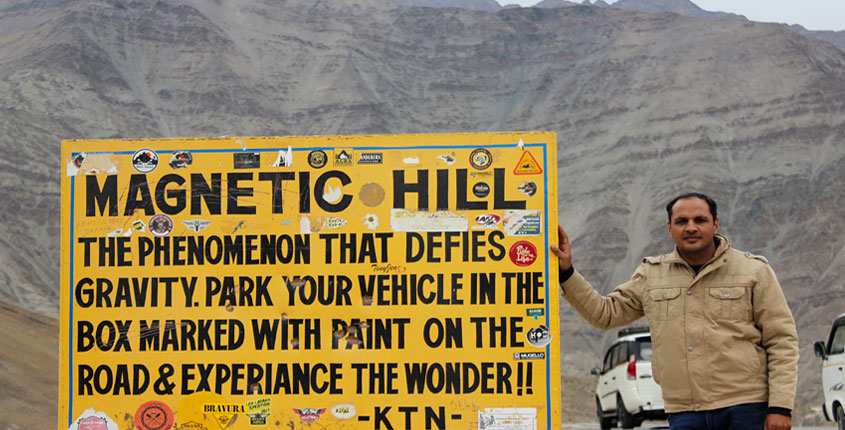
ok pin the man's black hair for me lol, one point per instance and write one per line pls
(710, 202)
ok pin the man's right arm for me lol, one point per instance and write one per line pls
(619, 308)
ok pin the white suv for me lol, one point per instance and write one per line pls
(833, 372)
(626, 392)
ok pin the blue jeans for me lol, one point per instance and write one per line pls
(750, 416)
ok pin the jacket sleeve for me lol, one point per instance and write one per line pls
(779, 338)
(619, 308)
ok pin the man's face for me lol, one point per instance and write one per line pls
(693, 227)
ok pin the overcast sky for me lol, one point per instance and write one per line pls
(812, 14)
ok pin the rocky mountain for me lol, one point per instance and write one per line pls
(835, 38)
(644, 105)
(680, 7)
(550, 4)
(688, 8)
(485, 5)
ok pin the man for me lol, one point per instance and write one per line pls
(725, 344)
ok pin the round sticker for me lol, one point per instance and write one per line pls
(523, 253)
(154, 415)
(481, 189)
(372, 194)
(161, 225)
(480, 159)
(317, 159)
(539, 336)
(145, 160)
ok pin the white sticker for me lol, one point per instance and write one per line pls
(411, 160)
(403, 220)
(507, 419)
(448, 159)
(371, 221)
(285, 159)
(91, 164)
(311, 225)
(523, 223)
(344, 411)
(196, 224)
(115, 233)
(335, 222)
(72, 169)
(331, 194)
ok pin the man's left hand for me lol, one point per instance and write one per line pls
(778, 422)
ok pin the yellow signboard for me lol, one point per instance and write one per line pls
(350, 282)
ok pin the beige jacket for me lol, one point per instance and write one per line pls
(721, 338)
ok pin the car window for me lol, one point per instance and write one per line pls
(623, 354)
(837, 342)
(607, 361)
(614, 357)
(644, 349)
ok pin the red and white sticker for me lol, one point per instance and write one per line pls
(93, 420)
(309, 415)
(160, 225)
(490, 220)
(93, 423)
(523, 253)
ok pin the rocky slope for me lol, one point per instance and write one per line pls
(680, 7)
(645, 106)
(486, 5)
(29, 368)
(688, 8)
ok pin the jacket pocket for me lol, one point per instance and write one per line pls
(665, 303)
(728, 303)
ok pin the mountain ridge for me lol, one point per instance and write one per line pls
(680, 7)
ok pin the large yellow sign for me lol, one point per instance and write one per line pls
(343, 282)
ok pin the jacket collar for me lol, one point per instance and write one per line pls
(723, 244)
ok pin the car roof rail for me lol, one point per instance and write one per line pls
(633, 330)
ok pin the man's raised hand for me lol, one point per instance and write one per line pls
(562, 250)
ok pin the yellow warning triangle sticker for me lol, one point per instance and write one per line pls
(223, 419)
(223, 412)
(527, 165)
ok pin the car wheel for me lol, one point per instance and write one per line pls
(626, 420)
(839, 416)
(605, 422)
